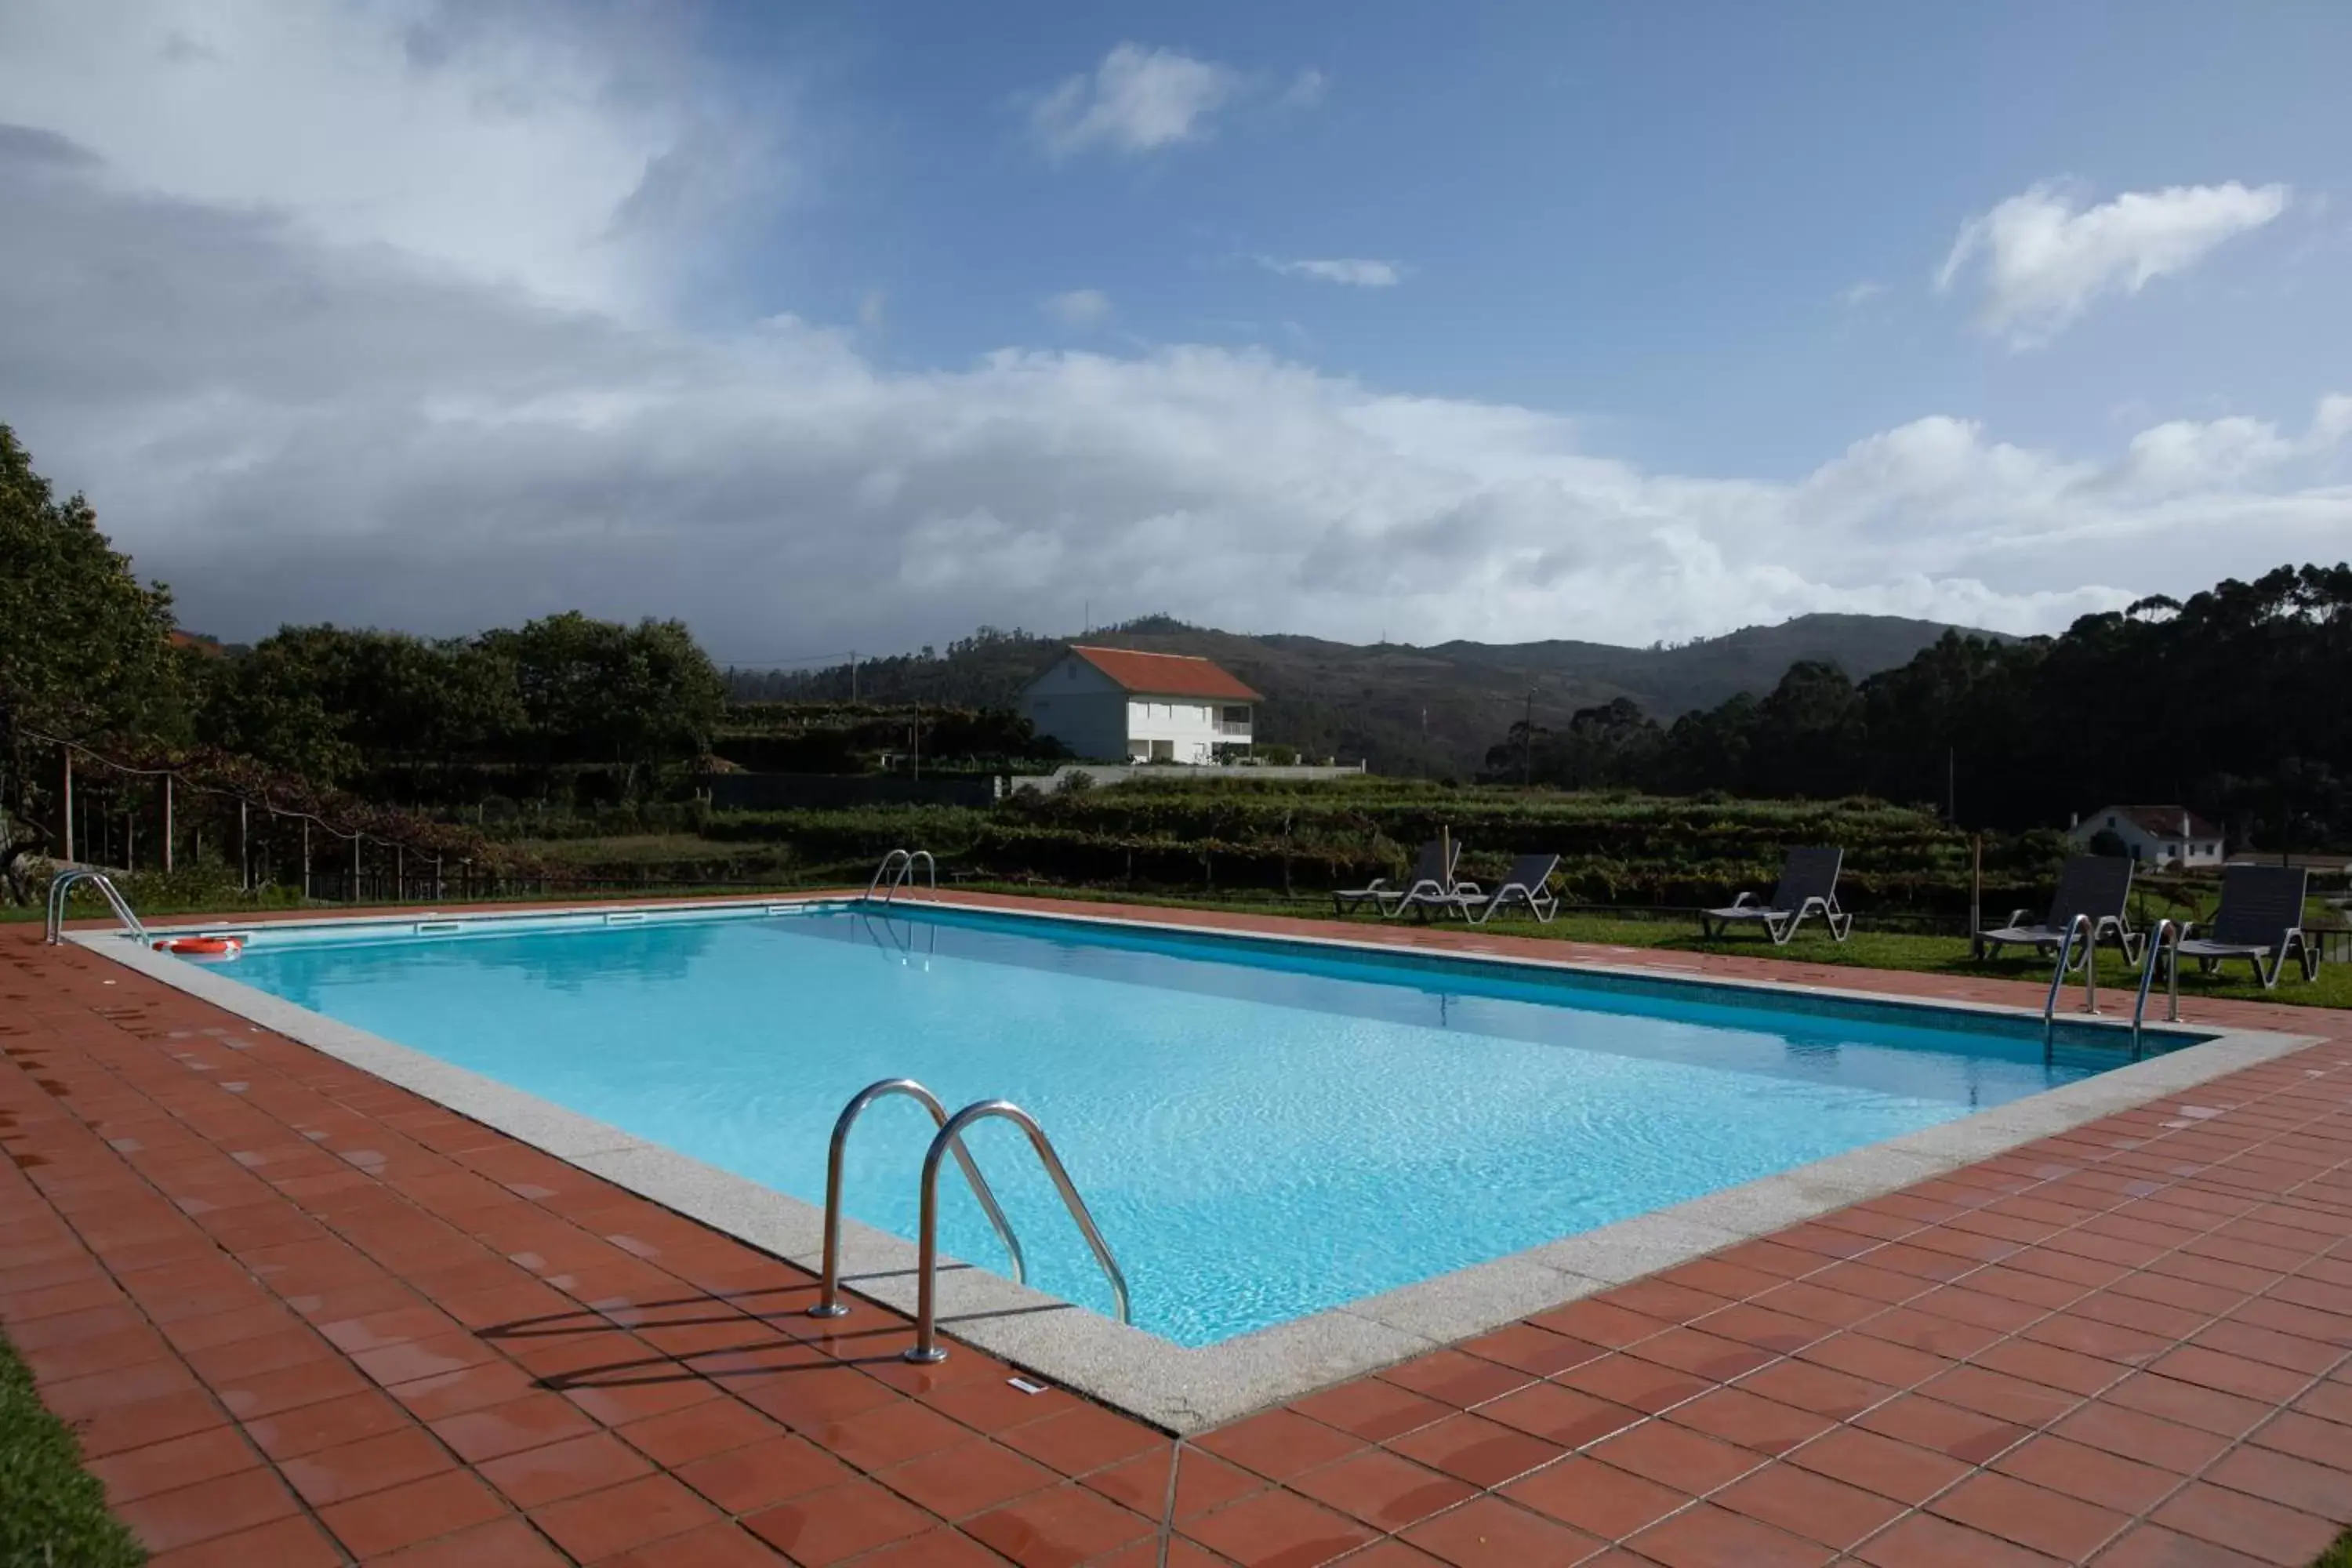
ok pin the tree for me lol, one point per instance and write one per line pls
(85, 650)
(326, 702)
(2236, 702)
(1613, 744)
(597, 691)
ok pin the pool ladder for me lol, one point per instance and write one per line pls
(61, 888)
(949, 1140)
(899, 866)
(2164, 939)
(2080, 926)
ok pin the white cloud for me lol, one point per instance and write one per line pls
(1136, 101)
(2041, 263)
(1306, 90)
(1863, 292)
(1080, 310)
(571, 152)
(388, 423)
(1355, 271)
(2188, 456)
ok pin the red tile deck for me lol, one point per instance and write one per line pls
(298, 1315)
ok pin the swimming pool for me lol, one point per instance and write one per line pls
(1265, 1130)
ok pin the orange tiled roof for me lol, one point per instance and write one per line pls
(2164, 821)
(1165, 674)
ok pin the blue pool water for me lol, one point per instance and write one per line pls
(1263, 1131)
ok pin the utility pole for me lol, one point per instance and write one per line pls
(167, 824)
(244, 846)
(66, 751)
(853, 677)
(1952, 785)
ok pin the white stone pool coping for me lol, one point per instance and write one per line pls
(1186, 1391)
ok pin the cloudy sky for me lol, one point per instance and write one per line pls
(833, 327)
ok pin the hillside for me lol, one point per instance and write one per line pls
(1409, 710)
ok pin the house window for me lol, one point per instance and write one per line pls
(1236, 715)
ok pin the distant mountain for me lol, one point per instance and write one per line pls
(1407, 710)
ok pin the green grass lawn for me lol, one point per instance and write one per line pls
(52, 1513)
(2338, 1555)
(1864, 949)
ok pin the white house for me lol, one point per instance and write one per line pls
(1109, 703)
(2159, 834)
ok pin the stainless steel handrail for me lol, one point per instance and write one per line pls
(2082, 925)
(61, 887)
(905, 859)
(888, 862)
(829, 1304)
(926, 1351)
(906, 876)
(2166, 934)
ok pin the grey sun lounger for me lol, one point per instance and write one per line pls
(2093, 885)
(2260, 921)
(1808, 887)
(1522, 884)
(1432, 875)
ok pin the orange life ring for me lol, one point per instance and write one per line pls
(202, 946)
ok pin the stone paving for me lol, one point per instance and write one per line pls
(300, 1316)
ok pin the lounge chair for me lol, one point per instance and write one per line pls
(1808, 887)
(1522, 884)
(1433, 874)
(2093, 885)
(2261, 918)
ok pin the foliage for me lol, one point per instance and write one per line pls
(52, 1511)
(361, 707)
(1171, 830)
(2237, 704)
(85, 649)
(846, 738)
(639, 696)
(320, 701)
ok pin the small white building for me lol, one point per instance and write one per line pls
(1112, 702)
(2156, 835)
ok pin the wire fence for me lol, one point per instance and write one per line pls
(258, 852)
